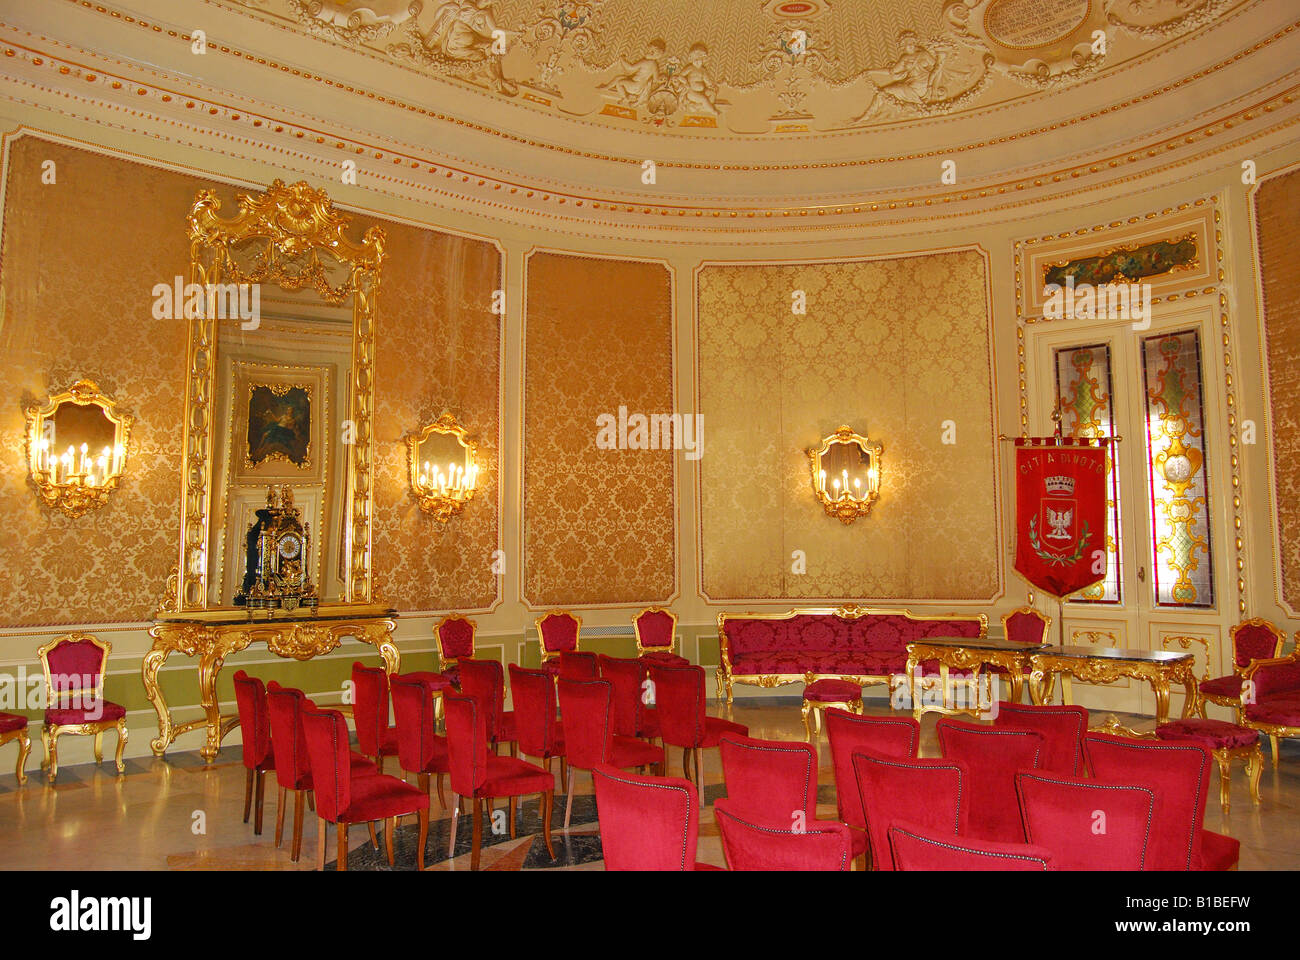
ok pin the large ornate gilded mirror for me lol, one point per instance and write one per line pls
(278, 461)
(846, 474)
(76, 448)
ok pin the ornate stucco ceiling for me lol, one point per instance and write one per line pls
(748, 67)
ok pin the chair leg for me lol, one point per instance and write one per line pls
(514, 812)
(260, 779)
(1254, 767)
(455, 819)
(568, 802)
(807, 726)
(248, 792)
(1271, 738)
(121, 745)
(99, 747)
(686, 763)
(320, 843)
(1225, 778)
(374, 840)
(279, 816)
(441, 799)
(424, 837)
(297, 825)
(24, 748)
(699, 771)
(342, 830)
(478, 834)
(390, 827)
(548, 806)
(52, 755)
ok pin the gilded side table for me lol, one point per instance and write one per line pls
(965, 653)
(1159, 668)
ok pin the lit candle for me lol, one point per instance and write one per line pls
(84, 449)
(845, 475)
(857, 488)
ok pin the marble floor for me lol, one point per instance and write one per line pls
(180, 814)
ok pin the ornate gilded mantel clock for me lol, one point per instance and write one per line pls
(278, 545)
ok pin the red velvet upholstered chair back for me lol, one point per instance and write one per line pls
(74, 664)
(769, 781)
(1179, 774)
(557, 632)
(254, 721)
(370, 711)
(655, 629)
(588, 728)
(750, 845)
(455, 636)
(485, 681)
(627, 677)
(536, 730)
(1062, 728)
(467, 742)
(882, 736)
(579, 666)
(1255, 639)
(1062, 814)
(331, 768)
(679, 699)
(919, 848)
(646, 823)
(1026, 625)
(932, 793)
(284, 708)
(414, 710)
(995, 755)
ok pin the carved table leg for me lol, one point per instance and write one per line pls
(1254, 767)
(381, 638)
(1160, 684)
(1041, 683)
(153, 661)
(1016, 680)
(1191, 692)
(210, 663)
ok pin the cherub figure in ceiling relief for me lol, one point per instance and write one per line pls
(925, 78)
(701, 94)
(638, 80)
(463, 32)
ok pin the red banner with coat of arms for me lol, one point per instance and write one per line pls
(1060, 514)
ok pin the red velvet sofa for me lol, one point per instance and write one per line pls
(856, 643)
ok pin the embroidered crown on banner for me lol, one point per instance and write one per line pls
(1059, 484)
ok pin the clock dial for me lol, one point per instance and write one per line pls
(289, 547)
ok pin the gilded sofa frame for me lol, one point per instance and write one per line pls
(727, 678)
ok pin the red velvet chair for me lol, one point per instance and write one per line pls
(255, 728)
(933, 793)
(849, 732)
(342, 799)
(1062, 728)
(647, 823)
(479, 775)
(772, 782)
(557, 631)
(923, 848)
(375, 738)
(536, 725)
(679, 699)
(750, 845)
(590, 741)
(14, 727)
(1022, 625)
(656, 636)
(419, 748)
(1178, 772)
(632, 717)
(455, 636)
(1272, 705)
(1087, 824)
(285, 707)
(578, 666)
(486, 680)
(994, 755)
(1251, 640)
(74, 667)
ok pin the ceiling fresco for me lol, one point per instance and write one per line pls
(747, 67)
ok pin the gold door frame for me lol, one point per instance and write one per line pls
(292, 225)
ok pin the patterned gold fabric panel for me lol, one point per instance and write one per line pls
(80, 259)
(598, 523)
(1277, 208)
(892, 348)
(439, 348)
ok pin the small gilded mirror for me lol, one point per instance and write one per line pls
(846, 474)
(76, 448)
(444, 468)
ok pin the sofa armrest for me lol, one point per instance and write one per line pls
(1271, 677)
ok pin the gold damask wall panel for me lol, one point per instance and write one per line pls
(1277, 209)
(439, 348)
(598, 523)
(893, 348)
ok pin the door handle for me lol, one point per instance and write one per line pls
(1142, 574)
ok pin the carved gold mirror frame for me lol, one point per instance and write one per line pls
(442, 501)
(288, 228)
(78, 481)
(848, 500)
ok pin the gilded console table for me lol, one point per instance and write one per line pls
(965, 653)
(1160, 668)
(213, 636)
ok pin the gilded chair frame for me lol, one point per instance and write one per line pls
(1017, 680)
(1274, 731)
(541, 643)
(444, 660)
(50, 732)
(726, 677)
(293, 226)
(1234, 703)
(24, 748)
(636, 627)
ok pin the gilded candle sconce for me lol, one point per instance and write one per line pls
(77, 479)
(846, 474)
(444, 468)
